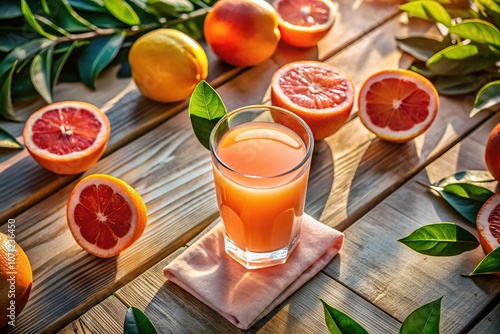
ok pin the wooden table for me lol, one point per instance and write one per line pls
(359, 184)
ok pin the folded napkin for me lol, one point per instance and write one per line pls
(244, 296)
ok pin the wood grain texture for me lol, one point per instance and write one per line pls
(75, 327)
(173, 310)
(131, 114)
(172, 172)
(490, 324)
(399, 280)
(107, 317)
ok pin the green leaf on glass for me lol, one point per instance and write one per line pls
(465, 198)
(425, 319)
(206, 108)
(97, 55)
(339, 322)
(8, 141)
(488, 265)
(441, 239)
(136, 322)
(488, 97)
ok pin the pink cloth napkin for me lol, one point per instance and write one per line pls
(245, 296)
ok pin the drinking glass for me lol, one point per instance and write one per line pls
(261, 157)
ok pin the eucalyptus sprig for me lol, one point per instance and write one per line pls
(75, 40)
(465, 60)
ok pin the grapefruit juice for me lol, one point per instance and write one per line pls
(261, 171)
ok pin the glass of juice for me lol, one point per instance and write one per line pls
(261, 158)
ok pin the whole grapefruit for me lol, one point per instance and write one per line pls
(492, 152)
(242, 32)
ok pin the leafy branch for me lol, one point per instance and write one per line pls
(465, 60)
(49, 41)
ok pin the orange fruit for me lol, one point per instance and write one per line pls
(67, 137)
(397, 105)
(492, 152)
(167, 64)
(242, 32)
(488, 224)
(105, 215)
(303, 23)
(319, 93)
(16, 277)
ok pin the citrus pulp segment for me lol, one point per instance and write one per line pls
(303, 23)
(67, 137)
(319, 93)
(397, 105)
(488, 224)
(105, 215)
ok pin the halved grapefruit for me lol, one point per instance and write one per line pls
(67, 137)
(397, 105)
(105, 215)
(303, 23)
(488, 224)
(319, 93)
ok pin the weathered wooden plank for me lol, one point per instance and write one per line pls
(173, 310)
(131, 114)
(490, 323)
(106, 317)
(173, 173)
(398, 279)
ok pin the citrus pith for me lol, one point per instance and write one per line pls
(67, 137)
(105, 215)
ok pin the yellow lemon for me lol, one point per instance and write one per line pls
(167, 64)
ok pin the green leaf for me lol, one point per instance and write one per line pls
(425, 319)
(24, 51)
(468, 190)
(67, 18)
(97, 55)
(205, 110)
(40, 73)
(122, 11)
(478, 31)
(30, 18)
(467, 176)
(8, 141)
(487, 97)
(52, 26)
(169, 7)
(6, 108)
(10, 39)
(491, 5)
(88, 5)
(465, 198)
(338, 322)
(441, 239)
(420, 68)
(489, 265)
(136, 322)
(422, 48)
(59, 64)
(10, 9)
(461, 59)
(466, 84)
(428, 10)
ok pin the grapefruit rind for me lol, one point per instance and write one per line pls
(138, 221)
(399, 136)
(71, 163)
(486, 238)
